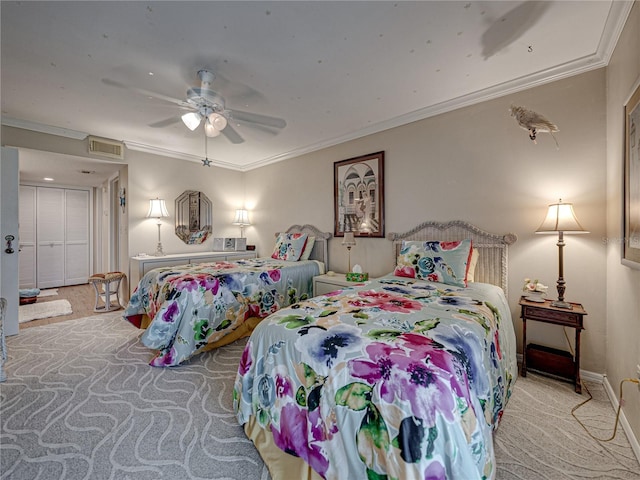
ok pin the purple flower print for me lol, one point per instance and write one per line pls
(421, 347)
(165, 358)
(404, 374)
(292, 437)
(191, 282)
(284, 387)
(172, 310)
(435, 471)
(246, 360)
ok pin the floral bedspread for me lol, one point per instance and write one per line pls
(191, 306)
(399, 379)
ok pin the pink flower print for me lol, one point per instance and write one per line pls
(385, 301)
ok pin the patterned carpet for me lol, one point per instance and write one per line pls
(81, 402)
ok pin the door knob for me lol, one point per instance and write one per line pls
(9, 239)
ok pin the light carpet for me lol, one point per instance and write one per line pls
(48, 293)
(81, 402)
(36, 311)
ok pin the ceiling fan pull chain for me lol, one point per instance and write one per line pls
(206, 162)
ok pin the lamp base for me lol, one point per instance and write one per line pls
(159, 252)
(561, 304)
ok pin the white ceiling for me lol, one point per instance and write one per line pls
(333, 70)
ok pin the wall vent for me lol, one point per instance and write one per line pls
(106, 148)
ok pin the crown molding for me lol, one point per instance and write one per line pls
(164, 152)
(42, 128)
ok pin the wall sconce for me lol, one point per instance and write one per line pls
(158, 209)
(241, 219)
(561, 219)
(349, 241)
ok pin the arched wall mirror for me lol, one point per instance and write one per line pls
(193, 217)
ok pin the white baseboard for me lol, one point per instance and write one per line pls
(635, 446)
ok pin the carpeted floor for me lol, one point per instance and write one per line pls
(81, 402)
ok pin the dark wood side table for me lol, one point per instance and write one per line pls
(550, 360)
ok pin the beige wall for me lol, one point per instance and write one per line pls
(474, 164)
(623, 283)
(153, 176)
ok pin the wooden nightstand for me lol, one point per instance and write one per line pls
(550, 360)
(323, 284)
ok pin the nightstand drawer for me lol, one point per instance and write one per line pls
(568, 318)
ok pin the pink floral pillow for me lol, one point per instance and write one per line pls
(289, 246)
(443, 262)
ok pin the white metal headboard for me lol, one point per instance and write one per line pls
(320, 251)
(492, 261)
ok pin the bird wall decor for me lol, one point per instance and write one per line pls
(533, 123)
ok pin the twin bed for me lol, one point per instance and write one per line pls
(404, 377)
(185, 310)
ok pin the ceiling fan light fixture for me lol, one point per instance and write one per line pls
(218, 121)
(191, 120)
(210, 130)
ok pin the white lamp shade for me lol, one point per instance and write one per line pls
(218, 121)
(348, 239)
(191, 120)
(241, 218)
(210, 130)
(157, 208)
(561, 218)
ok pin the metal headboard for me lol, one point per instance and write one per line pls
(320, 251)
(492, 261)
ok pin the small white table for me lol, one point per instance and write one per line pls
(323, 284)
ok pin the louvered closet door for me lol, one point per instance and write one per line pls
(77, 237)
(50, 231)
(27, 234)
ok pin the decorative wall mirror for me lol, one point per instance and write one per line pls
(193, 217)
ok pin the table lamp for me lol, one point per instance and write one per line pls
(158, 209)
(349, 241)
(561, 219)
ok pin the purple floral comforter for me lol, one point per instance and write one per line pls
(399, 379)
(191, 306)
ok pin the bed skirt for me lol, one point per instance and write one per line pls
(142, 321)
(281, 465)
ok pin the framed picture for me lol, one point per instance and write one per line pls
(631, 221)
(359, 196)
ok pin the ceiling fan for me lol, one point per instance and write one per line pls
(209, 107)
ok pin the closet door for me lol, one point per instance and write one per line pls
(27, 235)
(77, 237)
(50, 230)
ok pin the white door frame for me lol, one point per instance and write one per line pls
(9, 271)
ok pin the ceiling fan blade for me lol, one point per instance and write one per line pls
(249, 117)
(147, 93)
(165, 123)
(232, 135)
